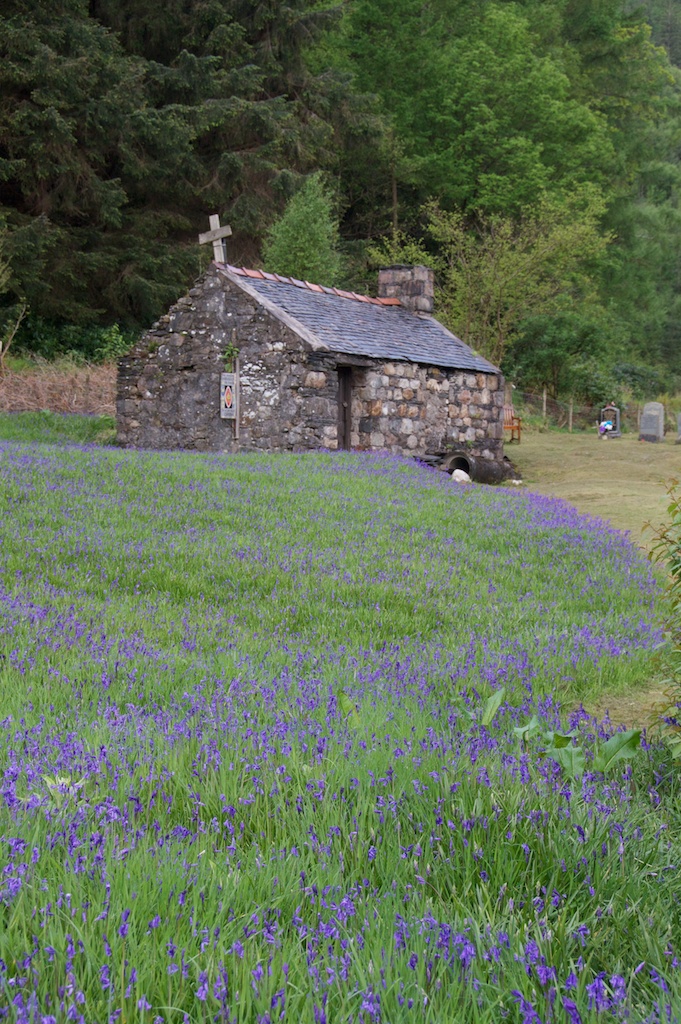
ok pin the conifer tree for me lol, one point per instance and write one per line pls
(122, 126)
(303, 243)
(93, 173)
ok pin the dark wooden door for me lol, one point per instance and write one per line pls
(344, 406)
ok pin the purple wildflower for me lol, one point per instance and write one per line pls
(570, 1008)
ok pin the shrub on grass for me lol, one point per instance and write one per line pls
(666, 551)
(53, 340)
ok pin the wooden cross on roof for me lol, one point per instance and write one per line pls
(216, 235)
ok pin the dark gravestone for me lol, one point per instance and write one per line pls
(652, 422)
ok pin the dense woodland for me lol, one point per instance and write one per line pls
(529, 151)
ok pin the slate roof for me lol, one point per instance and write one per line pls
(355, 324)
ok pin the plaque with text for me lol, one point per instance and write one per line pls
(229, 396)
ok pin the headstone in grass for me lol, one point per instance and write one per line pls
(652, 422)
(678, 427)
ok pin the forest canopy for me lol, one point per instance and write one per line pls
(465, 133)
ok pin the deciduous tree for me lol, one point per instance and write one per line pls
(496, 276)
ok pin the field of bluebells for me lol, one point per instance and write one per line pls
(273, 738)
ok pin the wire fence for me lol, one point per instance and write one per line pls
(540, 409)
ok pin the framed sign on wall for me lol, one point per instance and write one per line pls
(229, 395)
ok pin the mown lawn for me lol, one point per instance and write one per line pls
(272, 747)
(622, 479)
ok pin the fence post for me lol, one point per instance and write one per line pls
(543, 406)
(570, 417)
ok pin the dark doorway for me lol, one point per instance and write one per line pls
(344, 406)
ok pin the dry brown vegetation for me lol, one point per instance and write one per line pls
(61, 387)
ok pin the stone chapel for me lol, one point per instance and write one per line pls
(254, 361)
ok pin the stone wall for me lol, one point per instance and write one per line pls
(169, 388)
(405, 407)
(169, 384)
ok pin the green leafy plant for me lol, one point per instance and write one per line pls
(492, 705)
(82, 344)
(527, 729)
(229, 355)
(619, 747)
(570, 758)
(666, 551)
(348, 709)
(560, 746)
(60, 787)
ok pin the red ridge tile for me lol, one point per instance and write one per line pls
(263, 275)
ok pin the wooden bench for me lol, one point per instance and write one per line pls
(512, 423)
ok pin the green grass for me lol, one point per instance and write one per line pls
(622, 479)
(54, 428)
(243, 699)
(291, 544)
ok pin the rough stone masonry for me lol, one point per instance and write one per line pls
(169, 384)
(417, 409)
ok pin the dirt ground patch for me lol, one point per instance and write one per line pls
(638, 709)
(623, 480)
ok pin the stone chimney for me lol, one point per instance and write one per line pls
(413, 286)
